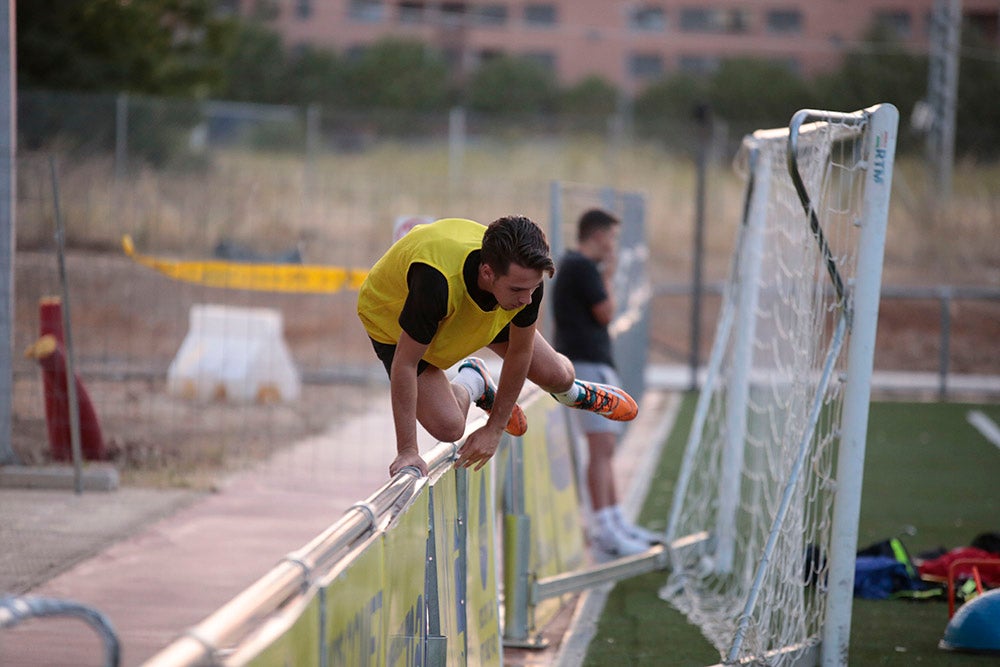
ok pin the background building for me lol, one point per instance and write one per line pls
(627, 43)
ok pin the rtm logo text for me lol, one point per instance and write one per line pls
(880, 154)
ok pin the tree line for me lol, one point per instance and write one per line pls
(187, 48)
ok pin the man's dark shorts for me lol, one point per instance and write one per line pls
(386, 352)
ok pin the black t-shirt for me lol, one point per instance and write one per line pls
(427, 301)
(578, 287)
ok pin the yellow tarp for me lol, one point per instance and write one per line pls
(299, 278)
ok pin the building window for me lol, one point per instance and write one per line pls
(303, 9)
(489, 15)
(700, 19)
(698, 65)
(648, 19)
(453, 13)
(540, 15)
(785, 21)
(898, 23)
(645, 65)
(227, 7)
(411, 11)
(546, 59)
(265, 10)
(365, 10)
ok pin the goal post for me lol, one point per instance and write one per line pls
(773, 465)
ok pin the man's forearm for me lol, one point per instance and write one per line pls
(403, 395)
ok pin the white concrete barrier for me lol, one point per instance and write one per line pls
(234, 354)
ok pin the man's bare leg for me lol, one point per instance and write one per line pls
(442, 407)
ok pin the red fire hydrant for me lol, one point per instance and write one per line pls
(49, 352)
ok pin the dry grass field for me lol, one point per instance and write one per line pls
(339, 209)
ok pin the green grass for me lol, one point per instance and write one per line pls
(929, 477)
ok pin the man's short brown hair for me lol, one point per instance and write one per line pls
(515, 239)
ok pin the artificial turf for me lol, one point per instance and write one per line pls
(931, 479)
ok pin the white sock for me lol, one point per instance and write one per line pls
(472, 381)
(619, 516)
(604, 520)
(571, 395)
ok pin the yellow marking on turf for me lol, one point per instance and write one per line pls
(300, 278)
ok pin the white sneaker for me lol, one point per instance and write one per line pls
(614, 544)
(640, 534)
(633, 531)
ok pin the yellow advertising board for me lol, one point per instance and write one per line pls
(483, 624)
(550, 498)
(289, 638)
(450, 603)
(354, 609)
(403, 577)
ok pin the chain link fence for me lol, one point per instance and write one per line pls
(205, 181)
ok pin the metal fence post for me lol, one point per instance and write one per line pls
(121, 135)
(8, 184)
(517, 554)
(704, 118)
(435, 643)
(945, 348)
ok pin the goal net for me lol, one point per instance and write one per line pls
(767, 498)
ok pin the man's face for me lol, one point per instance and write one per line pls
(515, 288)
(604, 243)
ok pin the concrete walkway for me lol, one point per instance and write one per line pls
(185, 554)
(156, 563)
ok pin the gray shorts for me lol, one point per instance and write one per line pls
(591, 422)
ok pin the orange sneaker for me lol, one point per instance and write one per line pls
(518, 423)
(607, 401)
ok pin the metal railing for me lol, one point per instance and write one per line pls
(945, 295)
(13, 610)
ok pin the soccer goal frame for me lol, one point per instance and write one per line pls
(773, 466)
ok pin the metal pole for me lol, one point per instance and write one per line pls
(313, 124)
(738, 386)
(8, 185)
(942, 93)
(461, 537)
(703, 118)
(517, 557)
(953, 39)
(456, 146)
(945, 351)
(15, 610)
(880, 155)
(557, 246)
(121, 135)
(74, 406)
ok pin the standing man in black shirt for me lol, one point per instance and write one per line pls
(584, 306)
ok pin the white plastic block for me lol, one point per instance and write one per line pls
(234, 354)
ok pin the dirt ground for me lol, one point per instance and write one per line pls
(128, 323)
